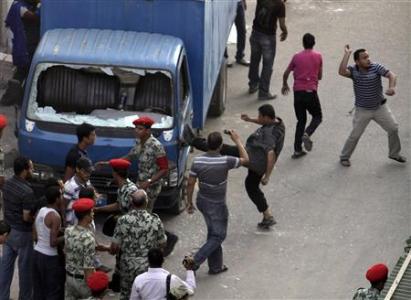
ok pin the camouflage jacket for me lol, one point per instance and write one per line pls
(147, 155)
(123, 195)
(80, 249)
(366, 294)
(137, 232)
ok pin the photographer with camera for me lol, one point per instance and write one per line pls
(211, 170)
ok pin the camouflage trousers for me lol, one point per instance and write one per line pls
(130, 268)
(76, 289)
(152, 194)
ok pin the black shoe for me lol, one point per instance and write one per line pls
(345, 162)
(243, 62)
(252, 89)
(308, 143)
(400, 158)
(171, 242)
(223, 269)
(267, 222)
(268, 96)
(188, 135)
(298, 154)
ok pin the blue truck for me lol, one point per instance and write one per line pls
(107, 62)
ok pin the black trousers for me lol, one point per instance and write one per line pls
(303, 102)
(253, 179)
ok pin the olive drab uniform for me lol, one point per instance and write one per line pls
(80, 249)
(366, 294)
(123, 195)
(147, 155)
(136, 233)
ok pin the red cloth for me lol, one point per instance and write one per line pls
(83, 205)
(144, 121)
(119, 163)
(162, 163)
(98, 281)
(3, 121)
(377, 273)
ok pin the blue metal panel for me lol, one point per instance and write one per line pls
(203, 25)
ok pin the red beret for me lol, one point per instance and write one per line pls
(119, 163)
(98, 281)
(83, 205)
(144, 121)
(3, 121)
(377, 273)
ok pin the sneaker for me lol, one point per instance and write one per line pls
(400, 158)
(267, 222)
(252, 89)
(345, 162)
(172, 240)
(268, 96)
(229, 64)
(298, 154)
(308, 143)
(243, 62)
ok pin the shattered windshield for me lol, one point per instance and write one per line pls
(101, 96)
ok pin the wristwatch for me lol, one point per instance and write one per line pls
(149, 181)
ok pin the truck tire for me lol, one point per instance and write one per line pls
(180, 203)
(219, 98)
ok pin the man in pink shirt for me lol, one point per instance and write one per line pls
(307, 68)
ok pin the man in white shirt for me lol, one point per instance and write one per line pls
(153, 283)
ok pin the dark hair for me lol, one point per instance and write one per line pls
(84, 130)
(87, 192)
(81, 215)
(357, 53)
(52, 181)
(308, 41)
(123, 173)
(4, 227)
(52, 194)
(214, 140)
(155, 257)
(267, 110)
(21, 163)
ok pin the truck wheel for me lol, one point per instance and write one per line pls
(219, 98)
(180, 203)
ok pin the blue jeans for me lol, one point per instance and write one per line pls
(18, 244)
(262, 46)
(216, 218)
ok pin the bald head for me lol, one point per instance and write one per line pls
(138, 199)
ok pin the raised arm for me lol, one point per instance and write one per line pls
(343, 69)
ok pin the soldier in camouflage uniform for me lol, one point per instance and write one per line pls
(80, 249)
(152, 160)
(135, 234)
(3, 124)
(377, 275)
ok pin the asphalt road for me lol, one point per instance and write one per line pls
(333, 222)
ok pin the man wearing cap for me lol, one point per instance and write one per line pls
(80, 249)
(377, 275)
(72, 187)
(135, 234)
(125, 188)
(3, 124)
(98, 284)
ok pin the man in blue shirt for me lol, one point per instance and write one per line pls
(370, 103)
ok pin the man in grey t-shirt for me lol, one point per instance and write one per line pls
(211, 170)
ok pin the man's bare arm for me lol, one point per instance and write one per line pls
(343, 69)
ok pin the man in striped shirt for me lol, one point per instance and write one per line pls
(211, 170)
(370, 103)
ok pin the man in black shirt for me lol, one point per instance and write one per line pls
(19, 202)
(263, 148)
(86, 135)
(263, 44)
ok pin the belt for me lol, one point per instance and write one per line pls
(75, 276)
